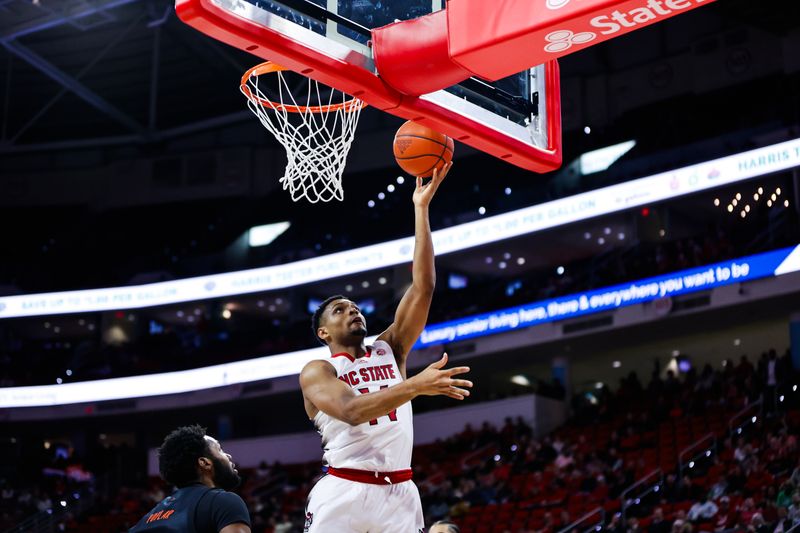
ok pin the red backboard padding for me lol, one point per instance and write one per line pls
(502, 37)
(355, 79)
(413, 56)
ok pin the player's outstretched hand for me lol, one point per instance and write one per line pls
(438, 381)
(424, 192)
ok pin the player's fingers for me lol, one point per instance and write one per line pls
(454, 395)
(441, 362)
(460, 383)
(445, 170)
(438, 175)
(456, 370)
(419, 182)
(462, 392)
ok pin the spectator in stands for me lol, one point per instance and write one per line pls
(613, 459)
(565, 519)
(744, 369)
(616, 524)
(44, 503)
(440, 507)
(669, 491)
(795, 477)
(7, 494)
(784, 498)
(548, 522)
(718, 488)
(736, 480)
(155, 494)
(703, 510)
(681, 526)
(794, 508)
(564, 458)
(768, 370)
(671, 385)
(284, 525)
(203, 474)
(688, 490)
(459, 508)
(726, 518)
(783, 523)
(547, 452)
(263, 471)
(747, 510)
(743, 452)
(758, 525)
(658, 524)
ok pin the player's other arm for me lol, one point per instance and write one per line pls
(412, 312)
(332, 396)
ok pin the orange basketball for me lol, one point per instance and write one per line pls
(420, 150)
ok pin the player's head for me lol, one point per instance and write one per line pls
(188, 455)
(338, 320)
(444, 526)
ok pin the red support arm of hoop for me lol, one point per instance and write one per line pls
(498, 38)
(412, 56)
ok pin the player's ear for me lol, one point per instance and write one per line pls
(205, 464)
(323, 335)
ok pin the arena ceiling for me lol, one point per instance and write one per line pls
(100, 72)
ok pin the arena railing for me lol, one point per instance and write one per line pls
(649, 484)
(747, 416)
(685, 460)
(592, 521)
(51, 520)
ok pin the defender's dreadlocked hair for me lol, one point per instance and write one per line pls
(177, 456)
(318, 314)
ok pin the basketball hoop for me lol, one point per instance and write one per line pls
(316, 137)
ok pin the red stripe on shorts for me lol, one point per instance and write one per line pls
(372, 478)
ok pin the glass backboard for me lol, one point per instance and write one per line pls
(516, 118)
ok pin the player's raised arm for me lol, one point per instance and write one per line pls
(325, 392)
(412, 312)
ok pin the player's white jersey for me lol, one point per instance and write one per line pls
(380, 445)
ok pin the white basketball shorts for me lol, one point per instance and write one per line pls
(337, 505)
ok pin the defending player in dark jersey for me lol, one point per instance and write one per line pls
(203, 474)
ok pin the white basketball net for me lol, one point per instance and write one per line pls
(316, 137)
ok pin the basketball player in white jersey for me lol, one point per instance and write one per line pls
(360, 402)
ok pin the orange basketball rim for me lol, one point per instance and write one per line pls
(268, 67)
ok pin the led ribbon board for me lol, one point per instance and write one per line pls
(768, 264)
(697, 279)
(643, 191)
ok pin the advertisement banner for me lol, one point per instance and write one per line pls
(763, 265)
